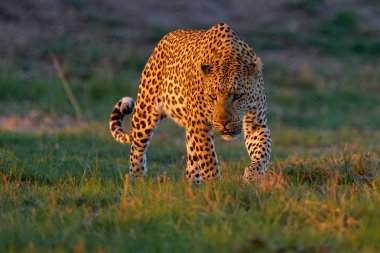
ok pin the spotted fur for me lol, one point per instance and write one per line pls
(204, 81)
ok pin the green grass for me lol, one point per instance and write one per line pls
(47, 95)
(65, 192)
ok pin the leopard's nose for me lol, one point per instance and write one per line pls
(224, 123)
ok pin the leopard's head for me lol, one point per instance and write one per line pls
(231, 90)
(231, 79)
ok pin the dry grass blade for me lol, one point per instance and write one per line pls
(66, 87)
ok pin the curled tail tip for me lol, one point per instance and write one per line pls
(126, 105)
(123, 107)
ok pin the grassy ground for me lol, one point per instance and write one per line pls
(65, 192)
(64, 189)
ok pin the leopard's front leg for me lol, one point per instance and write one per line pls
(202, 161)
(258, 143)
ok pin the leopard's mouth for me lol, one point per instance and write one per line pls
(230, 135)
(229, 132)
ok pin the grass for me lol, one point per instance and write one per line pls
(65, 190)
(67, 193)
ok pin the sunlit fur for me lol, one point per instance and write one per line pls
(204, 81)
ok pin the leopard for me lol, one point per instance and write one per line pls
(206, 81)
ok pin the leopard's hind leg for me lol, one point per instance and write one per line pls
(144, 124)
(147, 114)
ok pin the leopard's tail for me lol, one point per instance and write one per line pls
(123, 107)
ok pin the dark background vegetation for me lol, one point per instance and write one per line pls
(62, 184)
(311, 46)
(307, 45)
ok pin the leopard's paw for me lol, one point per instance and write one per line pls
(254, 172)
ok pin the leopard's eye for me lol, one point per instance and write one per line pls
(238, 96)
(212, 96)
(206, 69)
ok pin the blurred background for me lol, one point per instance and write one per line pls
(321, 59)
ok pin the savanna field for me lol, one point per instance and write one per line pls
(62, 179)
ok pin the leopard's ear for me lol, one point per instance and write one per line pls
(254, 66)
(206, 69)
